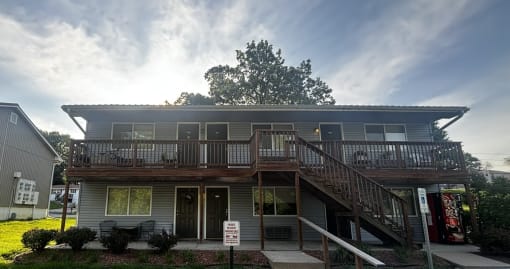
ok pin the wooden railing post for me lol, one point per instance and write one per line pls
(298, 209)
(135, 153)
(325, 251)
(407, 225)
(72, 154)
(261, 210)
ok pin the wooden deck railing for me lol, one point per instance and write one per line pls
(354, 188)
(397, 155)
(272, 146)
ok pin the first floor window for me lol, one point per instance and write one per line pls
(125, 201)
(407, 194)
(277, 201)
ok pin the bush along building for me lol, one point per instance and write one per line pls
(352, 170)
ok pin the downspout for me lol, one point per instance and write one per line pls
(75, 121)
(454, 119)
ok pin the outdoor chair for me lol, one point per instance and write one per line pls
(146, 229)
(106, 227)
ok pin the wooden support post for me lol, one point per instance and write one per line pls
(299, 210)
(261, 210)
(64, 209)
(325, 251)
(355, 211)
(472, 209)
(201, 204)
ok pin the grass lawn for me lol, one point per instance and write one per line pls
(11, 232)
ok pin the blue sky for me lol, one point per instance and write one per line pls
(370, 52)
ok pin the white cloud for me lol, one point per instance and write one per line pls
(102, 62)
(483, 130)
(392, 45)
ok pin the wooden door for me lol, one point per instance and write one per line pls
(217, 136)
(216, 212)
(186, 213)
(188, 151)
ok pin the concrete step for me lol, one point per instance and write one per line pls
(292, 260)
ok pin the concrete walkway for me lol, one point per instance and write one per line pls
(218, 245)
(463, 256)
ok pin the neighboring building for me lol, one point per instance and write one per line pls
(58, 192)
(26, 166)
(490, 175)
(191, 167)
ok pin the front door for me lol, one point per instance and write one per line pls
(186, 213)
(216, 212)
(217, 135)
(188, 151)
(329, 134)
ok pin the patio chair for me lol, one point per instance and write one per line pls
(106, 227)
(146, 229)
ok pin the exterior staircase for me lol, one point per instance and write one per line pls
(380, 211)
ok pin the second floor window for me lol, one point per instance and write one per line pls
(131, 131)
(380, 132)
(272, 141)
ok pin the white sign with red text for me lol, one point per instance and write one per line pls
(231, 233)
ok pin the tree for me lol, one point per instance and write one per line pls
(60, 142)
(187, 98)
(261, 77)
(439, 135)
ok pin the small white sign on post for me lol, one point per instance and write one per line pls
(231, 233)
(422, 197)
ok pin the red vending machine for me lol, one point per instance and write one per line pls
(444, 221)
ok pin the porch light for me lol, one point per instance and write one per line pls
(316, 130)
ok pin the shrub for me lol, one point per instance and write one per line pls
(343, 256)
(76, 237)
(495, 240)
(188, 256)
(220, 257)
(403, 253)
(117, 241)
(37, 239)
(163, 241)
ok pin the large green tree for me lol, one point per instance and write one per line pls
(188, 98)
(261, 77)
(60, 142)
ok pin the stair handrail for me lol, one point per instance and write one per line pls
(354, 250)
(369, 194)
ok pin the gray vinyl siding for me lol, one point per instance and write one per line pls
(306, 130)
(241, 199)
(93, 202)
(27, 153)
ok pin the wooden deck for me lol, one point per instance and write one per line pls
(266, 151)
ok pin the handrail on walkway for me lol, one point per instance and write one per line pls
(357, 252)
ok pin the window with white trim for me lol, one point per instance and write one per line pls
(13, 118)
(132, 131)
(389, 132)
(129, 201)
(278, 201)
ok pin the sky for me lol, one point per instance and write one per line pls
(382, 52)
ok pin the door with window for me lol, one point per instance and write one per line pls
(331, 134)
(186, 212)
(188, 150)
(216, 211)
(217, 136)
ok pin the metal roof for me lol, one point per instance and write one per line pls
(71, 109)
(32, 125)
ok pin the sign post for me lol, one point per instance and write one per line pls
(231, 237)
(424, 209)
